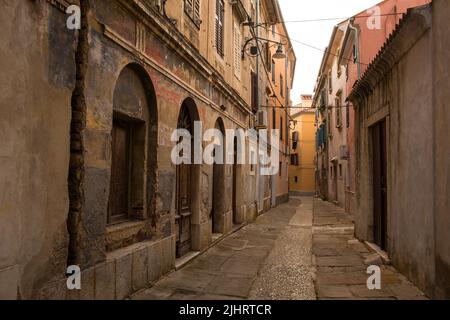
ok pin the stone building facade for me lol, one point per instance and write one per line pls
(329, 100)
(354, 43)
(303, 149)
(401, 167)
(91, 182)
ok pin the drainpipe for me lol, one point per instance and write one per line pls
(257, 56)
(358, 60)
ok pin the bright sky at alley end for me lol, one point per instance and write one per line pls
(316, 34)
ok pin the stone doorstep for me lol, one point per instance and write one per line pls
(383, 254)
(180, 263)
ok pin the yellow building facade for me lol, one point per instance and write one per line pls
(302, 147)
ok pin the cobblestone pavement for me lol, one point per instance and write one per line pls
(268, 259)
(341, 261)
(304, 249)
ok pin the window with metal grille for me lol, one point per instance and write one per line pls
(220, 27)
(192, 9)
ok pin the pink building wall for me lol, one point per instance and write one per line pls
(370, 42)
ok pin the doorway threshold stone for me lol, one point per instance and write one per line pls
(184, 260)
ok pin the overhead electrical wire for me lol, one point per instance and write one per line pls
(316, 48)
(332, 19)
(260, 53)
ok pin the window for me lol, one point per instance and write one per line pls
(329, 122)
(273, 31)
(296, 179)
(268, 55)
(220, 27)
(330, 82)
(273, 71)
(255, 100)
(281, 128)
(192, 9)
(340, 171)
(295, 139)
(294, 159)
(281, 169)
(281, 85)
(237, 49)
(274, 118)
(347, 114)
(338, 112)
(126, 170)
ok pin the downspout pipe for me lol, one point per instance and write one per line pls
(358, 60)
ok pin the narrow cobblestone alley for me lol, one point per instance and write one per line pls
(301, 250)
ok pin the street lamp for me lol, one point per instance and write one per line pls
(279, 54)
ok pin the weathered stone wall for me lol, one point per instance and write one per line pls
(441, 98)
(38, 77)
(58, 103)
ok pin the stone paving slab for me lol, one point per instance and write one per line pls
(341, 262)
(268, 259)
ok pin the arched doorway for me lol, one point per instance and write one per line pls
(134, 144)
(219, 192)
(186, 184)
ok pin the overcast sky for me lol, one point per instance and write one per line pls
(316, 34)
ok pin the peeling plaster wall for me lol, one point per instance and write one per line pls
(35, 115)
(38, 76)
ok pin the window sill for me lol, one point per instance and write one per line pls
(125, 234)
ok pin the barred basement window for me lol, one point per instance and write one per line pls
(192, 9)
(220, 7)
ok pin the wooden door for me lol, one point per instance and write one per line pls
(379, 161)
(183, 195)
(120, 173)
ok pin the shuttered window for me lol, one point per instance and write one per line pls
(192, 9)
(281, 85)
(219, 27)
(237, 37)
(294, 159)
(255, 97)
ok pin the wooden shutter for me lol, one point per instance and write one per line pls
(188, 7)
(237, 50)
(196, 10)
(219, 27)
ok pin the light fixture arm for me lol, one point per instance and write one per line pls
(259, 39)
